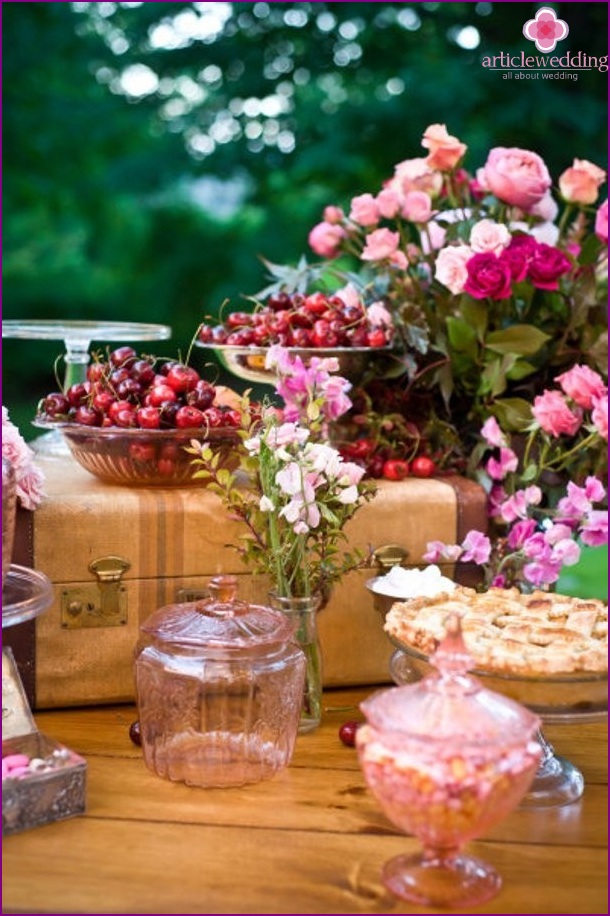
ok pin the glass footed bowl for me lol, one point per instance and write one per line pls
(248, 363)
(143, 457)
(556, 698)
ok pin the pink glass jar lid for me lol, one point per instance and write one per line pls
(219, 622)
(449, 703)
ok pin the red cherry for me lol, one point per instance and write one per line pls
(134, 733)
(202, 395)
(122, 356)
(395, 469)
(102, 400)
(148, 417)
(347, 732)
(143, 372)
(78, 394)
(88, 416)
(422, 466)
(213, 417)
(142, 452)
(56, 404)
(188, 417)
(160, 394)
(182, 378)
(377, 338)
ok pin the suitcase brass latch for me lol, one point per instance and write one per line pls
(103, 604)
(390, 555)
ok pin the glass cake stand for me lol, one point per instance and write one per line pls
(77, 337)
(557, 699)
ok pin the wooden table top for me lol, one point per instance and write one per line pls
(311, 840)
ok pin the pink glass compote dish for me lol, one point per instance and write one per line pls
(446, 759)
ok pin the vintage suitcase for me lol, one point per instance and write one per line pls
(115, 554)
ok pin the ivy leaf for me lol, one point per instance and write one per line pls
(520, 339)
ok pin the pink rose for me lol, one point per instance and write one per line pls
(364, 210)
(445, 151)
(416, 175)
(488, 276)
(516, 176)
(450, 268)
(546, 265)
(553, 415)
(417, 207)
(601, 222)
(380, 244)
(30, 488)
(580, 184)
(518, 255)
(325, 239)
(546, 208)
(486, 235)
(582, 384)
(333, 215)
(599, 415)
(388, 203)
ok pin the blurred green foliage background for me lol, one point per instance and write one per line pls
(153, 152)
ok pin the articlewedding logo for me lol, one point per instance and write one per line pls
(545, 29)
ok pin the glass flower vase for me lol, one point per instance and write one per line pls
(303, 613)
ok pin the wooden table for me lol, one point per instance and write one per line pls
(311, 840)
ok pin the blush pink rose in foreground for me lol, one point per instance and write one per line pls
(416, 175)
(516, 176)
(487, 235)
(554, 416)
(601, 222)
(582, 384)
(581, 182)
(450, 268)
(380, 244)
(325, 239)
(445, 151)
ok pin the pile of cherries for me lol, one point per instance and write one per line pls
(295, 320)
(131, 391)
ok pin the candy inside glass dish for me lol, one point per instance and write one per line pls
(446, 759)
(143, 457)
(249, 362)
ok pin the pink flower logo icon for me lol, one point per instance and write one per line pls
(545, 30)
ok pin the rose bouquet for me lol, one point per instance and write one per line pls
(540, 523)
(29, 479)
(492, 289)
(293, 491)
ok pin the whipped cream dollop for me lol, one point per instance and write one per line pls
(412, 583)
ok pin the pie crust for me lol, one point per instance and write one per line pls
(508, 632)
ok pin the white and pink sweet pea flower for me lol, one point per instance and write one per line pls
(594, 530)
(364, 210)
(417, 207)
(554, 416)
(325, 239)
(476, 548)
(582, 384)
(543, 572)
(450, 267)
(487, 235)
(388, 203)
(599, 415)
(520, 532)
(601, 222)
(579, 501)
(566, 551)
(437, 550)
(492, 434)
(350, 473)
(499, 468)
(265, 504)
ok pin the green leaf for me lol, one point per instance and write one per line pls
(530, 473)
(513, 414)
(520, 339)
(475, 314)
(462, 336)
(493, 377)
(520, 369)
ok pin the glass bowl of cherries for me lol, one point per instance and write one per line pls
(132, 418)
(305, 325)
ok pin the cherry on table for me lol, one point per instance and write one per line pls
(347, 732)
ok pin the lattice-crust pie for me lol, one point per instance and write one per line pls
(508, 632)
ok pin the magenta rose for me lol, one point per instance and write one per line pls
(488, 276)
(516, 176)
(547, 265)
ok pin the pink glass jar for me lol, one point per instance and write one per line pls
(446, 759)
(219, 688)
(9, 508)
